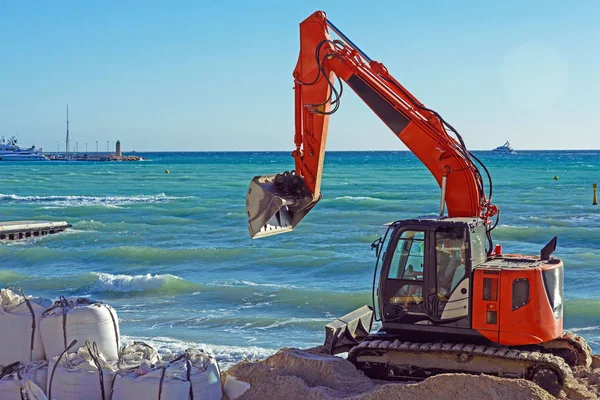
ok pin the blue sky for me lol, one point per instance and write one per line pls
(216, 75)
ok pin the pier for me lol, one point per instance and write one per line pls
(15, 230)
(70, 155)
(92, 157)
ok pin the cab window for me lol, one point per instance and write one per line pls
(407, 261)
(450, 252)
(478, 242)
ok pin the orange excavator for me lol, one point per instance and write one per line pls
(448, 300)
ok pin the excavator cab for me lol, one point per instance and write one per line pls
(424, 281)
(426, 273)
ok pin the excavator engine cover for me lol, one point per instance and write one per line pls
(277, 203)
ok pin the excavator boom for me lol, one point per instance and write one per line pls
(277, 203)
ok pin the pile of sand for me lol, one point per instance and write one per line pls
(294, 374)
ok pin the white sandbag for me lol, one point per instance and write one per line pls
(234, 388)
(82, 320)
(37, 372)
(133, 384)
(82, 375)
(31, 391)
(20, 327)
(10, 389)
(16, 382)
(141, 374)
(204, 375)
(193, 374)
(10, 384)
(131, 356)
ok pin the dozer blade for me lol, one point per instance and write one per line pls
(276, 203)
(348, 331)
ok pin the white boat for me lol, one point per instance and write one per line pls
(506, 148)
(11, 151)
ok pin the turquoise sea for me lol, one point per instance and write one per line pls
(172, 254)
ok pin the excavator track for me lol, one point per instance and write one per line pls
(401, 360)
(573, 348)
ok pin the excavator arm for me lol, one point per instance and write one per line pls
(277, 203)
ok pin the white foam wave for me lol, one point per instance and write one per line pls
(288, 321)
(71, 201)
(129, 283)
(357, 198)
(585, 218)
(585, 329)
(227, 356)
(248, 283)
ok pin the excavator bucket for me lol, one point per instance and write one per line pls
(276, 203)
(348, 331)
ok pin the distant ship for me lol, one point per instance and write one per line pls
(506, 148)
(11, 151)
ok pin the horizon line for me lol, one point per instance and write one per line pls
(284, 151)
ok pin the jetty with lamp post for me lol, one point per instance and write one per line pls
(69, 155)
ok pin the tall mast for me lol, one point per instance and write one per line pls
(67, 141)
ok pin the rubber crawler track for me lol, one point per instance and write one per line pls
(575, 343)
(529, 359)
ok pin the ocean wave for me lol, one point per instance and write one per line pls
(227, 356)
(588, 308)
(572, 234)
(240, 295)
(140, 283)
(154, 255)
(7, 276)
(248, 283)
(323, 300)
(239, 321)
(320, 322)
(89, 225)
(582, 315)
(357, 198)
(94, 283)
(586, 329)
(586, 256)
(77, 201)
(585, 218)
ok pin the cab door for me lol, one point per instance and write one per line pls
(404, 281)
(450, 272)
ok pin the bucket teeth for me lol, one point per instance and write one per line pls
(276, 203)
(348, 331)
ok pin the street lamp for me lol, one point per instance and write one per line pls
(76, 147)
(57, 148)
(96, 147)
(86, 148)
(107, 146)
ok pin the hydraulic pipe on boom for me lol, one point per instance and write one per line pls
(276, 203)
